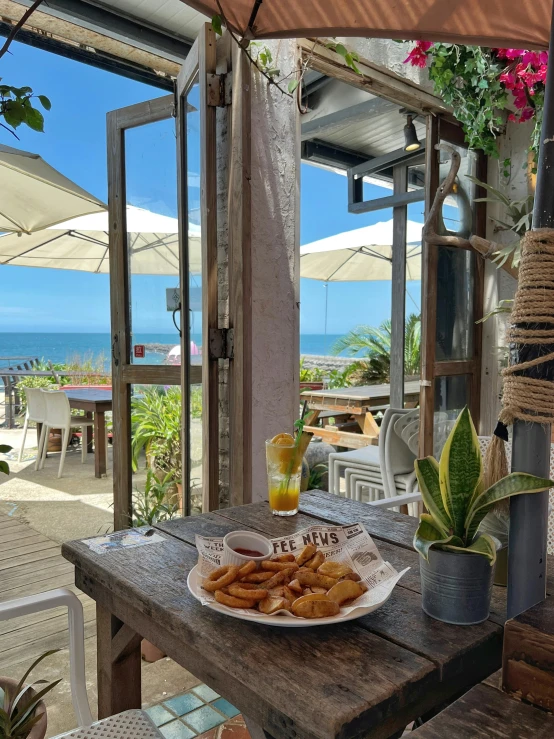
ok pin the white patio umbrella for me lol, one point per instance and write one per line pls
(83, 244)
(35, 195)
(360, 255)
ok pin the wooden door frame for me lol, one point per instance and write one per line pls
(440, 129)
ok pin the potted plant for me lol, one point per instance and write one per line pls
(22, 711)
(457, 559)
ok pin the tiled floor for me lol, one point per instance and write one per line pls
(202, 713)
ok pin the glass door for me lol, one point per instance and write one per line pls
(159, 282)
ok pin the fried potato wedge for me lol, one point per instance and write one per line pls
(278, 592)
(309, 579)
(247, 591)
(317, 560)
(334, 569)
(270, 605)
(315, 606)
(278, 578)
(271, 566)
(257, 577)
(295, 586)
(345, 590)
(229, 600)
(315, 589)
(282, 558)
(289, 594)
(306, 554)
(351, 576)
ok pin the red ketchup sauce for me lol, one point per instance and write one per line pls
(248, 552)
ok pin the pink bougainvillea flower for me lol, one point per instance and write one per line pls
(512, 117)
(508, 79)
(418, 55)
(526, 115)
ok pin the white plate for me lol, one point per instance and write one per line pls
(193, 582)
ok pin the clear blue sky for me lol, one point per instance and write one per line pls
(75, 142)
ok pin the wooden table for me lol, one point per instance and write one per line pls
(95, 403)
(360, 402)
(366, 678)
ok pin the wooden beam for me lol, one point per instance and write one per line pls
(398, 288)
(391, 201)
(319, 126)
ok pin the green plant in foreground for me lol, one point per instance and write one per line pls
(156, 502)
(454, 495)
(18, 705)
(4, 467)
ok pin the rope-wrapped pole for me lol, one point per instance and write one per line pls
(529, 388)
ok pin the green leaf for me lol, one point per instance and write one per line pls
(216, 26)
(293, 84)
(485, 545)
(5, 448)
(460, 470)
(45, 102)
(341, 49)
(14, 113)
(428, 535)
(514, 484)
(427, 471)
(34, 119)
(4, 467)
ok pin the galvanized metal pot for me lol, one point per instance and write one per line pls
(456, 587)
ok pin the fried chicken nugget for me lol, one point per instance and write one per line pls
(334, 569)
(271, 566)
(270, 605)
(315, 606)
(283, 558)
(309, 579)
(315, 561)
(306, 554)
(246, 591)
(232, 602)
(345, 590)
(257, 577)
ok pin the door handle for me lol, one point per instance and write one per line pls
(115, 350)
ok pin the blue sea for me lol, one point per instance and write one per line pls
(61, 347)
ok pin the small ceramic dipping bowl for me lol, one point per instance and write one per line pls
(240, 547)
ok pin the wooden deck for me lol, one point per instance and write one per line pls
(31, 563)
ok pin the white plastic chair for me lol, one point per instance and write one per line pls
(374, 483)
(58, 416)
(136, 724)
(36, 409)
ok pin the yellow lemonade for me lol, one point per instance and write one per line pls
(284, 499)
(284, 466)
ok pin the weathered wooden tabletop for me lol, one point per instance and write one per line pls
(366, 678)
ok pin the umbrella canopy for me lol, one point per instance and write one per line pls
(503, 23)
(360, 255)
(83, 244)
(35, 195)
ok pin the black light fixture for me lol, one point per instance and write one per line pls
(410, 135)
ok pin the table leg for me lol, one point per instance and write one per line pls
(119, 664)
(88, 434)
(99, 444)
(368, 425)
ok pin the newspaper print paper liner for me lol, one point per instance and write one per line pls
(349, 544)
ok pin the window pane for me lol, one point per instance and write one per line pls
(451, 395)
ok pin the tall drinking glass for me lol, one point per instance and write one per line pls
(284, 469)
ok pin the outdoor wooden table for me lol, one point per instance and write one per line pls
(358, 401)
(95, 403)
(365, 678)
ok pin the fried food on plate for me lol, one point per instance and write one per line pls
(283, 558)
(278, 579)
(352, 576)
(315, 589)
(220, 578)
(270, 605)
(315, 561)
(272, 566)
(295, 586)
(309, 579)
(315, 606)
(247, 568)
(247, 591)
(257, 577)
(334, 569)
(306, 554)
(289, 594)
(345, 590)
(229, 600)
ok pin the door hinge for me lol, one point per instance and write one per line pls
(221, 343)
(219, 90)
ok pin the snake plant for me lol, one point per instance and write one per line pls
(455, 498)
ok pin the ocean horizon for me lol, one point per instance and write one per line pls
(61, 347)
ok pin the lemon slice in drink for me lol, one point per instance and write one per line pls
(282, 457)
(284, 439)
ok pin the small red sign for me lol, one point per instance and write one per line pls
(139, 351)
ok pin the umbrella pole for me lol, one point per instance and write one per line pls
(531, 441)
